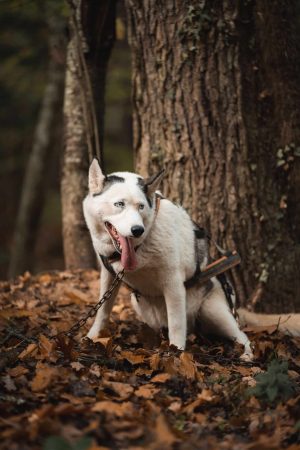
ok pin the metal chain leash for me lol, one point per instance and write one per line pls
(93, 311)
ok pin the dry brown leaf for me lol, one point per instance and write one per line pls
(175, 406)
(46, 347)
(17, 371)
(98, 447)
(171, 365)
(154, 361)
(133, 358)
(43, 377)
(13, 312)
(244, 371)
(77, 296)
(77, 400)
(30, 350)
(106, 342)
(112, 408)
(123, 390)
(146, 391)
(205, 396)
(163, 432)
(76, 365)
(161, 378)
(39, 413)
(45, 278)
(141, 371)
(188, 368)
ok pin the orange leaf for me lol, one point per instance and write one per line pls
(163, 432)
(154, 361)
(13, 312)
(28, 351)
(116, 409)
(17, 371)
(161, 378)
(43, 378)
(146, 391)
(204, 397)
(132, 357)
(123, 390)
(188, 368)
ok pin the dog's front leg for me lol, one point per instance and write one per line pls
(103, 313)
(175, 298)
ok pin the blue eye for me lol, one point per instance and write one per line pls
(120, 204)
(141, 206)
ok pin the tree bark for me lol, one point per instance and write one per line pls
(92, 37)
(32, 199)
(215, 95)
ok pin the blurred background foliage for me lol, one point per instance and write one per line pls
(23, 76)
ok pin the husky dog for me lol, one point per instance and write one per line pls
(156, 248)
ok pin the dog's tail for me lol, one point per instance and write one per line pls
(286, 323)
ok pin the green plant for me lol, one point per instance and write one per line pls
(59, 443)
(274, 384)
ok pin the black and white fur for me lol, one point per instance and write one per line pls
(165, 259)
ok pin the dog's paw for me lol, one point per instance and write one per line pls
(178, 344)
(247, 356)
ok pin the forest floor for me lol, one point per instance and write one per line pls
(129, 390)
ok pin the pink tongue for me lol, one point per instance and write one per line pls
(128, 257)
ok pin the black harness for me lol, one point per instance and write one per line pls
(199, 233)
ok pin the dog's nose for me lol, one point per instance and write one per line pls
(137, 230)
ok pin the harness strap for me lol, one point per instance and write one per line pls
(215, 269)
(228, 291)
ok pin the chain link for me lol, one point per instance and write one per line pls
(93, 311)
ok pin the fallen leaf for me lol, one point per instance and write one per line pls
(77, 366)
(29, 351)
(123, 390)
(163, 432)
(112, 408)
(188, 368)
(205, 396)
(161, 378)
(46, 347)
(154, 361)
(13, 312)
(133, 358)
(17, 371)
(43, 377)
(175, 406)
(77, 296)
(146, 391)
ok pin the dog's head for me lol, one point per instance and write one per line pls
(120, 209)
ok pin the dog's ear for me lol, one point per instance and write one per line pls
(96, 177)
(152, 183)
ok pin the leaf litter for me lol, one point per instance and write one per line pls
(129, 389)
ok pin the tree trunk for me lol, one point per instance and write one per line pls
(215, 98)
(92, 36)
(32, 199)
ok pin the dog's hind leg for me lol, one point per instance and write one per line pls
(103, 313)
(216, 318)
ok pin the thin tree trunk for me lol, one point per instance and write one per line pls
(92, 37)
(215, 95)
(32, 199)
